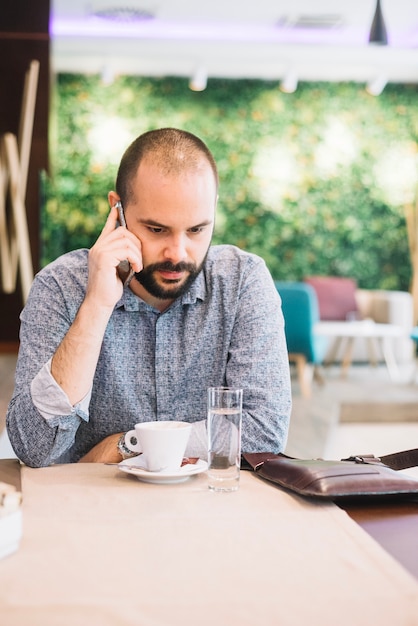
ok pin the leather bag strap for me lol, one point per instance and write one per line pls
(401, 460)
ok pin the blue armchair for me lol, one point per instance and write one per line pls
(301, 312)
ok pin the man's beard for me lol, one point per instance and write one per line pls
(171, 290)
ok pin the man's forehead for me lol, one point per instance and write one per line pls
(172, 168)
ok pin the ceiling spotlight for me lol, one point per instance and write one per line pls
(289, 83)
(378, 34)
(375, 86)
(199, 80)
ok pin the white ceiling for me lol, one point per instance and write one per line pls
(316, 39)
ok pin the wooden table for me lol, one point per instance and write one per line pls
(101, 548)
(394, 525)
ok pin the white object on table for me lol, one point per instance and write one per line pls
(10, 533)
(10, 519)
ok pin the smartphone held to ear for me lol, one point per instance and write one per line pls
(121, 214)
(124, 268)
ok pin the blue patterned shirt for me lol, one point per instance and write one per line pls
(226, 330)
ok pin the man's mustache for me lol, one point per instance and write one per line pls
(170, 267)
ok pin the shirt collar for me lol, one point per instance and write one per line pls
(197, 291)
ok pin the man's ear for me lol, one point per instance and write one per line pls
(113, 197)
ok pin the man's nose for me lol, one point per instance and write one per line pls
(175, 250)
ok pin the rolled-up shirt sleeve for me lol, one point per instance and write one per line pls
(51, 400)
(41, 423)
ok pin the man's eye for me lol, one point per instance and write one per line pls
(155, 229)
(196, 230)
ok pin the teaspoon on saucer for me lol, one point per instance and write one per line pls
(141, 467)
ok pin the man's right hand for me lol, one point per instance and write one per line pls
(113, 246)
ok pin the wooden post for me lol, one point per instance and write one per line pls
(411, 214)
(14, 166)
(24, 37)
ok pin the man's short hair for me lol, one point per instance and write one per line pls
(173, 150)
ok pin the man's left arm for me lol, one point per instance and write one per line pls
(259, 363)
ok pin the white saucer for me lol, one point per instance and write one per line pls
(136, 467)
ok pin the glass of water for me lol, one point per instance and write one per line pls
(224, 438)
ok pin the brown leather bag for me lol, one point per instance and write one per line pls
(363, 476)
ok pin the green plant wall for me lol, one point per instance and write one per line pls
(315, 182)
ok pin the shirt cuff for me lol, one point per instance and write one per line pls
(51, 400)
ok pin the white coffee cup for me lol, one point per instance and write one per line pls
(163, 444)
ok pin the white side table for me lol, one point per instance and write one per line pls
(371, 332)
